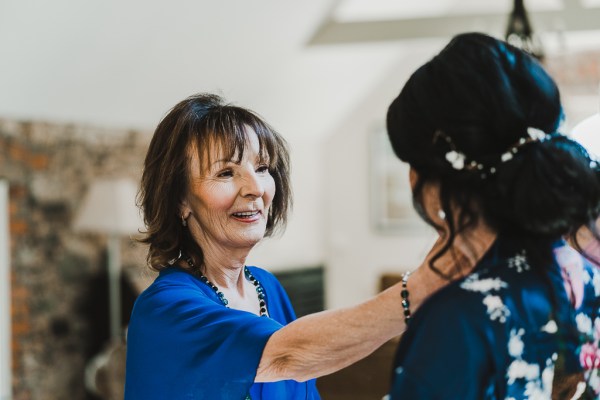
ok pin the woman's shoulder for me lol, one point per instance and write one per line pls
(480, 296)
(461, 296)
(171, 283)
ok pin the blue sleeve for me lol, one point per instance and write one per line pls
(442, 355)
(183, 345)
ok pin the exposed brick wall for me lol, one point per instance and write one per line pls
(49, 168)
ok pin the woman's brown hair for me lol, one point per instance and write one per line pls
(198, 122)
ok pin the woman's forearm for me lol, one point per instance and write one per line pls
(322, 343)
(325, 342)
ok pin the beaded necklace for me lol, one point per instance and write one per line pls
(260, 291)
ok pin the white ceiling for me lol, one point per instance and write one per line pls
(377, 10)
(125, 63)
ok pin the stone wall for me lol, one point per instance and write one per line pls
(55, 272)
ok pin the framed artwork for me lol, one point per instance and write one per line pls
(390, 193)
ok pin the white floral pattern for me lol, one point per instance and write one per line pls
(474, 284)
(596, 283)
(515, 343)
(496, 308)
(494, 304)
(519, 262)
(537, 386)
(541, 389)
(550, 327)
(520, 369)
(584, 323)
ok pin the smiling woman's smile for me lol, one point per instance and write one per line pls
(248, 216)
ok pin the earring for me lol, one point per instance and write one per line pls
(441, 214)
(174, 260)
(183, 221)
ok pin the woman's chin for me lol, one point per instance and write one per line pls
(251, 239)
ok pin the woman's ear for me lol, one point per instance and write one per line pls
(184, 209)
(412, 177)
(184, 212)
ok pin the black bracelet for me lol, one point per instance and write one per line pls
(404, 295)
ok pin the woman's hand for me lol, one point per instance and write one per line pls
(325, 342)
(458, 261)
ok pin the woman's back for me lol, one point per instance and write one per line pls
(494, 334)
(480, 126)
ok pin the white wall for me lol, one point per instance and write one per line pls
(356, 253)
(5, 339)
(330, 223)
(302, 243)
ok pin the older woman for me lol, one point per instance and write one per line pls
(479, 127)
(215, 183)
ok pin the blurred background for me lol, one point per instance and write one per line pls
(83, 84)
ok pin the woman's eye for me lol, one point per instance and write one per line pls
(225, 174)
(262, 169)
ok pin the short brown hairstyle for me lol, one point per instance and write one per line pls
(201, 120)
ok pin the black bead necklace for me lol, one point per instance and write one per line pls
(260, 291)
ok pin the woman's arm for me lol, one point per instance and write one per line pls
(325, 342)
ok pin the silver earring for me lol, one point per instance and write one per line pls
(183, 221)
(442, 214)
(174, 260)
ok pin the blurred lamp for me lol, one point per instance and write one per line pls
(109, 208)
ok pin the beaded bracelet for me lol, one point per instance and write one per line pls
(404, 295)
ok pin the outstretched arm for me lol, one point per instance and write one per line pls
(325, 342)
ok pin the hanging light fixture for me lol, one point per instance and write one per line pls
(520, 34)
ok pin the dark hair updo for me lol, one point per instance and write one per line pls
(482, 96)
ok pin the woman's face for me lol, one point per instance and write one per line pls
(228, 203)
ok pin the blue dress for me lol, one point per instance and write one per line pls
(182, 343)
(494, 334)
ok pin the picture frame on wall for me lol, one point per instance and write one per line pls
(392, 210)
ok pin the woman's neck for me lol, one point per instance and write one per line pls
(224, 270)
(474, 242)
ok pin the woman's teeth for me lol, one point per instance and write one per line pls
(247, 214)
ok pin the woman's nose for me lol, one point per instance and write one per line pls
(252, 185)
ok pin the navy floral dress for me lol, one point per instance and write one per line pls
(495, 333)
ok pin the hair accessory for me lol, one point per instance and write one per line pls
(458, 159)
(404, 295)
(183, 221)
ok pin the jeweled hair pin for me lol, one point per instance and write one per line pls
(458, 160)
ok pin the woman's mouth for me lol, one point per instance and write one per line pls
(247, 216)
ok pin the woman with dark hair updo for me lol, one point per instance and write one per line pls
(215, 182)
(479, 127)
